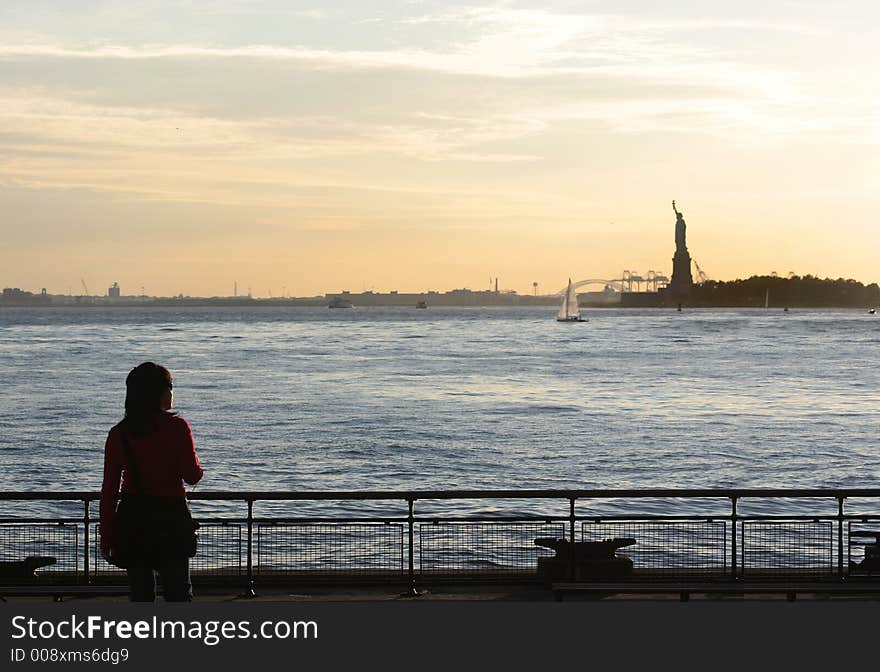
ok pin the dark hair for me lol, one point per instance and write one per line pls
(144, 386)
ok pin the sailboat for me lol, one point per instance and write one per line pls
(569, 310)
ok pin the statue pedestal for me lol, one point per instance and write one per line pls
(682, 281)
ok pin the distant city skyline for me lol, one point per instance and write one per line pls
(306, 148)
(630, 282)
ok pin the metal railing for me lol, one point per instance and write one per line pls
(460, 540)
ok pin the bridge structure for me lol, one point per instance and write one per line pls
(629, 281)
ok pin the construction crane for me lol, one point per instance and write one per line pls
(85, 289)
(703, 277)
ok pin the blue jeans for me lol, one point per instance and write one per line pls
(174, 574)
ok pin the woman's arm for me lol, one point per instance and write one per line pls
(190, 469)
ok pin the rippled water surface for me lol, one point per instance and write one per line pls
(316, 399)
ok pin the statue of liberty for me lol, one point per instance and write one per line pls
(680, 230)
(682, 280)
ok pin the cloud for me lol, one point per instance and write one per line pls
(164, 154)
(602, 56)
(500, 79)
(484, 41)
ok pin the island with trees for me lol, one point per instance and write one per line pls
(794, 291)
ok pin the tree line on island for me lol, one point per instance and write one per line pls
(793, 291)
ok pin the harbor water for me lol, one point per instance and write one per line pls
(464, 398)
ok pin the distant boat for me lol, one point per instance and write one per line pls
(339, 302)
(569, 310)
(872, 311)
(422, 304)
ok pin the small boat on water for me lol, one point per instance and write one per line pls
(422, 304)
(873, 311)
(569, 311)
(339, 302)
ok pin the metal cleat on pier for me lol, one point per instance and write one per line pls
(871, 562)
(591, 559)
(27, 568)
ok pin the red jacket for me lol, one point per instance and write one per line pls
(165, 457)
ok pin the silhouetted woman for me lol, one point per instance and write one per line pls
(152, 452)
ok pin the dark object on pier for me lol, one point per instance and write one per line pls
(592, 559)
(871, 562)
(27, 568)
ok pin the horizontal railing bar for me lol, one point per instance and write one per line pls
(406, 495)
(221, 521)
(490, 519)
(300, 519)
(636, 518)
(853, 518)
(782, 517)
(720, 518)
(47, 521)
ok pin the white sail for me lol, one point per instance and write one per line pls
(574, 309)
(569, 310)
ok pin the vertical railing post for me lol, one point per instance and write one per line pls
(250, 591)
(411, 524)
(571, 528)
(87, 522)
(733, 519)
(840, 499)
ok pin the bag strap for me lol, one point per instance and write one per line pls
(131, 464)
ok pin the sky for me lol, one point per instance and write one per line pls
(300, 148)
